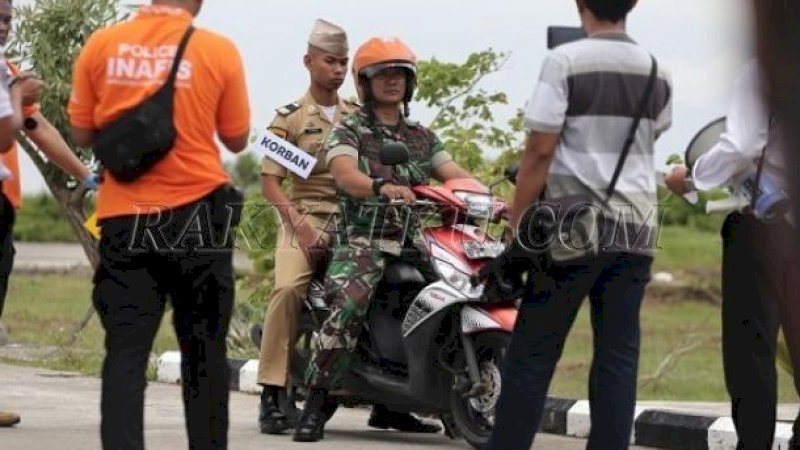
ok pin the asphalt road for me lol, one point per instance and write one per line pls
(61, 411)
(32, 256)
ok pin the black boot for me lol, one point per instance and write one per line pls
(271, 420)
(384, 418)
(310, 426)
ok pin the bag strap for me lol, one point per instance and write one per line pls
(648, 92)
(756, 191)
(173, 74)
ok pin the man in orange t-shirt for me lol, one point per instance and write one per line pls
(167, 234)
(47, 139)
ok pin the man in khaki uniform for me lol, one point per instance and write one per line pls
(310, 206)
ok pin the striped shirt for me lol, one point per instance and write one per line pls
(588, 92)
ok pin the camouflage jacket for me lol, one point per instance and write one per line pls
(370, 220)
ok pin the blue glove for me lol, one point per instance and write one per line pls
(92, 182)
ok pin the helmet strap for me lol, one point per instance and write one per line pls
(411, 86)
(369, 98)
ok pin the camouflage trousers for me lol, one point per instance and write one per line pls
(351, 279)
(353, 274)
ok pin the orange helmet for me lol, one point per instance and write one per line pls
(381, 53)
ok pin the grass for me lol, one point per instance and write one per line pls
(687, 250)
(671, 318)
(41, 220)
(43, 309)
(696, 376)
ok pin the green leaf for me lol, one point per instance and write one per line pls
(674, 159)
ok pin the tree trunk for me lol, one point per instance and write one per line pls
(71, 202)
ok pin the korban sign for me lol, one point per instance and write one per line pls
(284, 153)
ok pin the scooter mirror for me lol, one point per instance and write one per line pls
(511, 173)
(394, 153)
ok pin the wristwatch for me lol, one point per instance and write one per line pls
(30, 123)
(377, 184)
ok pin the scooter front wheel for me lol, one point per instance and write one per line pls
(473, 416)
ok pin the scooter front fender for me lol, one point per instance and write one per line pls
(484, 317)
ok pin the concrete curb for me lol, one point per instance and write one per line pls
(653, 427)
(243, 372)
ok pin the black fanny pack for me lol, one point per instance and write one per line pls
(133, 143)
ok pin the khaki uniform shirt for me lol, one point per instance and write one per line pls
(305, 125)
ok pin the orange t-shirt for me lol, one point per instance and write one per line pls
(12, 188)
(122, 65)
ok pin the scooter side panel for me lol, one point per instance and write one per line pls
(427, 377)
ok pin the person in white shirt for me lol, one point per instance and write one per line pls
(760, 275)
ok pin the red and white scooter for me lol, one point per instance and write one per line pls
(429, 347)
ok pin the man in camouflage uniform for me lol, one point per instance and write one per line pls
(370, 236)
(310, 207)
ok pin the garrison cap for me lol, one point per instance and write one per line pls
(328, 37)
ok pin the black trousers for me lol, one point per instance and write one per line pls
(615, 285)
(184, 256)
(7, 217)
(760, 294)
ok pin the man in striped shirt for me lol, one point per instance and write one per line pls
(579, 117)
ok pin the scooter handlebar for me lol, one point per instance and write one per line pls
(414, 203)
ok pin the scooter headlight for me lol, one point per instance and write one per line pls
(479, 206)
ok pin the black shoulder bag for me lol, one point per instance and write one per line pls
(133, 143)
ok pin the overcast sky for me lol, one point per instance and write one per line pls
(702, 42)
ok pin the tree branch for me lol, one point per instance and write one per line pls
(668, 363)
(72, 207)
(468, 89)
(691, 342)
